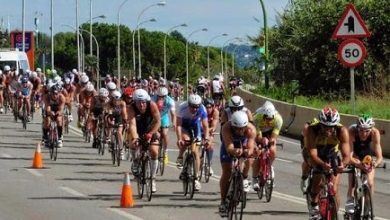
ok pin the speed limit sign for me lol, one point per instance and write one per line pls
(351, 52)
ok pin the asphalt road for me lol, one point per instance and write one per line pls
(83, 185)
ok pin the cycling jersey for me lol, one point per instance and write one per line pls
(99, 105)
(54, 104)
(361, 148)
(327, 147)
(268, 128)
(238, 141)
(164, 106)
(143, 120)
(191, 122)
(217, 88)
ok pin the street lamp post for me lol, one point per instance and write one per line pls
(52, 37)
(81, 60)
(208, 52)
(163, 3)
(97, 57)
(135, 30)
(188, 38)
(23, 26)
(78, 37)
(119, 41)
(266, 78)
(223, 45)
(165, 47)
(233, 56)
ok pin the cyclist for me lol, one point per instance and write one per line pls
(37, 85)
(364, 140)
(167, 109)
(85, 99)
(325, 140)
(24, 94)
(213, 119)
(117, 115)
(84, 80)
(111, 87)
(70, 91)
(268, 122)
(2, 88)
(236, 103)
(98, 104)
(191, 116)
(54, 106)
(144, 121)
(238, 140)
(218, 89)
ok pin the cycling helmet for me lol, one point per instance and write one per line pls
(7, 68)
(162, 91)
(67, 81)
(54, 72)
(329, 116)
(116, 95)
(267, 109)
(141, 95)
(74, 71)
(1, 72)
(111, 86)
(103, 92)
(38, 70)
(236, 101)
(24, 80)
(209, 102)
(365, 121)
(239, 119)
(216, 77)
(33, 75)
(89, 87)
(129, 92)
(144, 83)
(84, 79)
(162, 82)
(55, 88)
(57, 79)
(194, 99)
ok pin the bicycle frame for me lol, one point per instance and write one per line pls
(144, 176)
(235, 193)
(327, 200)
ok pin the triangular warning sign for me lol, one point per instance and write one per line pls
(351, 25)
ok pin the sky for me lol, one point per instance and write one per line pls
(233, 17)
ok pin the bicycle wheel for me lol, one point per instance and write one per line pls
(269, 183)
(331, 209)
(191, 176)
(24, 116)
(161, 164)
(184, 176)
(202, 164)
(141, 178)
(113, 151)
(307, 194)
(148, 179)
(367, 211)
(231, 203)
(118, 152)
(262, 178)
(207, 167)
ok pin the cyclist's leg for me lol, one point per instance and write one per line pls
(226, 164)
(164, 140)
(370, 180)
(60, 121)
(316, 183)
(28, 104)
(1, 100)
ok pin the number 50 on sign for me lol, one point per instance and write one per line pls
(351, 52)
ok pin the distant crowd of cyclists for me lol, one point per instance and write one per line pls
(145, 109)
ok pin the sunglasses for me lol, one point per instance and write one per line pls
(236, 108)
(209, 106)
(194, 106)
(364, 130)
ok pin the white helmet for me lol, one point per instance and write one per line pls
(38, 70)
(83, 74)
(239, 119)
(84, 79)
(67, 81)
(194, 99)
(103, 92)
(74, 71)
(216, 77)
(329, 116)
(162, 91)
(111, 86)
(144, 83)
(236, 101)
(268, 109)
(141, 95)
(7, 68)
(89, 87)
(28, 71)
(1, 72)
(33, 75)
(116, 95)
(54, 71)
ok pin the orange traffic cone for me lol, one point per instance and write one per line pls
(37, 161)
(127, 200)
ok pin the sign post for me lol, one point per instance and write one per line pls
(351, 52)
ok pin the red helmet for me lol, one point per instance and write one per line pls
(329, 116)
(129, 92)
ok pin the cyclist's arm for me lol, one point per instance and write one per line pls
(214, 123)
(205, 126)
(173, 115)
(61, 105)
(224, 117)
(132, 124)
(178, 127)
(313, 150)
(251, 139)
(354, 161)
(250, 117)
(156, 117)
(227, 138)
(344, 145)
(124, 113)
(376, 142)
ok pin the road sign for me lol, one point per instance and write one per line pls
(351, 52)
(350, 25)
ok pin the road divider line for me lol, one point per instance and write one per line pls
(287, 161)
(72, 191)
(287, 141)
(6, 155)
(35, 172)
(125, 214)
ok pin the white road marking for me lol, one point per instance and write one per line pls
(279, 195)
(172, 150)
(287, 161)
(125, 214)
(35, 172)
(6, 155)
(284, 140)
(72, 191)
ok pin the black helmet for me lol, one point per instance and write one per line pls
(208, 102)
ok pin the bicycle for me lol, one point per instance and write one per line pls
(266, 181)
(188, 174)
(100, 139)
(114, 146)
(66, 119)
(363, 205)
(53, 138)
(144, 170)
(24, 114)
(161, 156)
(205, 164)
(236, 194)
